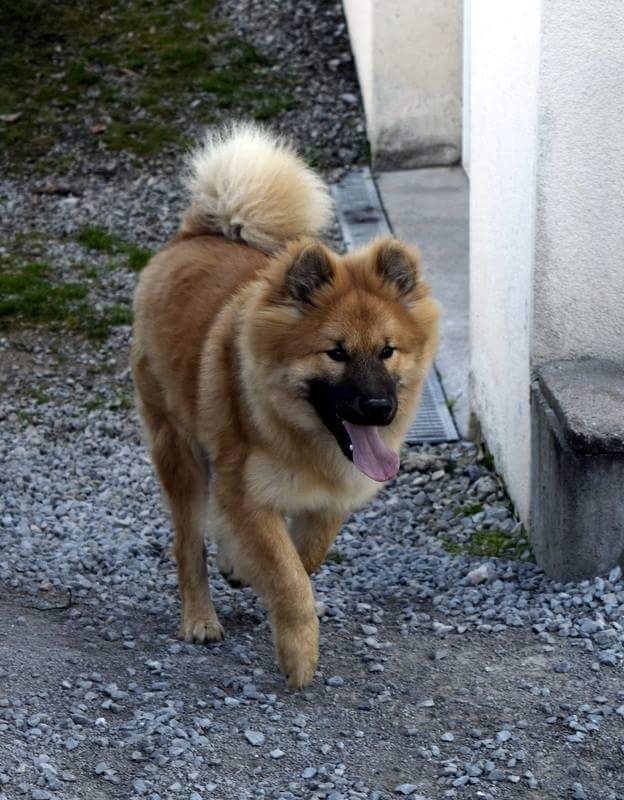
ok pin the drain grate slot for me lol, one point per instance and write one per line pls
(433, 421)
(361, 218)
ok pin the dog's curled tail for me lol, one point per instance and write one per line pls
(251, 186)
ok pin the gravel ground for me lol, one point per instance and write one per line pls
(434, 680)
(309, 39)
(445, 671)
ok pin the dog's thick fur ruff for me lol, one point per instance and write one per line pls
(235, 320)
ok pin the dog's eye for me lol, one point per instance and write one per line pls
(386, 352)
(337, 354)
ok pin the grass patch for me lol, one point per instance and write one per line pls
(143, 138)
(491, 544)
(24, 418)
(37, 394)
(93, 237)
(95, 404)
(468, 511)
(67, 66)
(334, 557)
(123, 402)
(488, 461)
(98, 326)
(30, 295)
(137, 257)
(451, 546)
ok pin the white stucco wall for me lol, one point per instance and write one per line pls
(504, 55)
(359, 14)
(408, 57)
(466, 75)
(547, 198)
(579, 277)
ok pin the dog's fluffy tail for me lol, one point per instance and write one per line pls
(251, 186)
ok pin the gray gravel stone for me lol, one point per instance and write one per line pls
(94, 677)
(255, 738)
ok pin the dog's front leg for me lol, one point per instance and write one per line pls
(264, 556)
(313, 533)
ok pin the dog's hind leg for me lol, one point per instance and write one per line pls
(185, 481)
(313, 533)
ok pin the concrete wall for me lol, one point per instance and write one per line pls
(579, 280)
(359, 15)
(547, 196)
(466, 75)
(504, 55)
(408, 57)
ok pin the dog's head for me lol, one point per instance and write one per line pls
(344, 342)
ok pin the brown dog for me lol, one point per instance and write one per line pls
(275, 379)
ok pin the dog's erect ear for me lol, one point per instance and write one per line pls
(310, 270)
(398, 265)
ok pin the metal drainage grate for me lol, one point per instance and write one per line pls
(433, 421)
(361, 218)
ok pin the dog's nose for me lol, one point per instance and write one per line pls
(380, 409)
(366, 410)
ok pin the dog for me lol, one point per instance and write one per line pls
(275, 380)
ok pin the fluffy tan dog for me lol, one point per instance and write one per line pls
(275, 379)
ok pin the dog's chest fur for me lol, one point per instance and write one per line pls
(293, 491)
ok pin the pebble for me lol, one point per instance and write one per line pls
(255, 738)
(80, 509)
(405, 788)
(479, 574)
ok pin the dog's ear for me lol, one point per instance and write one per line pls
(398, 265)
(310, 270)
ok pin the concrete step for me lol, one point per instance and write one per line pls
(577, 487)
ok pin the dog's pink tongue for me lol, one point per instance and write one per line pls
(371, 455)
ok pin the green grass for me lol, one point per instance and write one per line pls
(122, 402)
(468, 511)
(490, 544)
(488, 461)
(451, 546)
(31, 295)
(493, 543)
(37, 394)
(65, 66)
(137, 257)
(142, 137)
(94, 237)
(334, 557)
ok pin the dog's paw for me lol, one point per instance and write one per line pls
(297, 652)
(200, 628)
